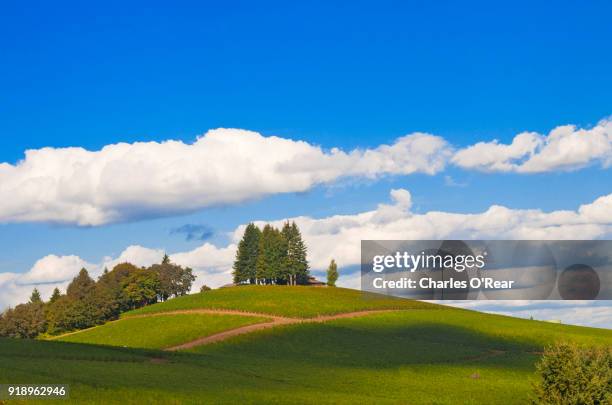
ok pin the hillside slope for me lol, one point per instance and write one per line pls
(160, 331)
(291, 301)
(424, 356)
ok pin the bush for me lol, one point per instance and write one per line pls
(570, 374)
(205, 288)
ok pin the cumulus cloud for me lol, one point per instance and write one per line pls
(566, 147)
(52, 268)
(339, 237)
(47, 273)
(15, 292)
(587, 313)
(135, 254)
(125, 181)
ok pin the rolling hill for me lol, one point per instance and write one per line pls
(295, 345)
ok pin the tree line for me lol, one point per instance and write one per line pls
(88, 302)
(271, 256)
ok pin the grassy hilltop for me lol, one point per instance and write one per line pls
(416, 353)
(292, 301)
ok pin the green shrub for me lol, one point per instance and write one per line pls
(570, 374)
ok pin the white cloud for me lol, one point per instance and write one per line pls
(54, 268)
(127, 181)
(47, 273)
(586, 313)
(207, 256)
(123, 182)
(135, 254)
(339, 237)
(564, 148)
(14, 292)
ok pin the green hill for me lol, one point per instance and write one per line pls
(293, 301)
(158, 332)
(417, 353)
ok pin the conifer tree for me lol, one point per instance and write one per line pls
(165, 259)
(245, 265)
(296, 262)
(35, 297)
(271, 258)
(55, 295)
(81, 285)
(332, 274)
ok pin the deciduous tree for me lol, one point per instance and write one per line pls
(174, 280)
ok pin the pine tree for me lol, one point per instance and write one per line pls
(296, 262)
(332, 274)
(271, 259)
(165, 259)
(245, 265)
(55, 295)
(35, 297)
(81, 285)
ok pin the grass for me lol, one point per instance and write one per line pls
(442, 357)
(159, 331)
(296, 301)
(429, 356)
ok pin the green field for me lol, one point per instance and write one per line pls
(432, 355)
(159, 331)
(292, 301)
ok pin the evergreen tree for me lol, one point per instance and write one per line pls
(245, 265)
(81, 285)
(332, 274)
(35, 297)
(165, 259)
(271, 259)
(296, 262)
(55, 295)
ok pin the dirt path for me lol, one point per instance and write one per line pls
(275, 321)
(209, 311)
(177, 312)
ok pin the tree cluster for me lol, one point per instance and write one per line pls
(88, 302)
(271, 256)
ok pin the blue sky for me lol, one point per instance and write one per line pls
(333, 74)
